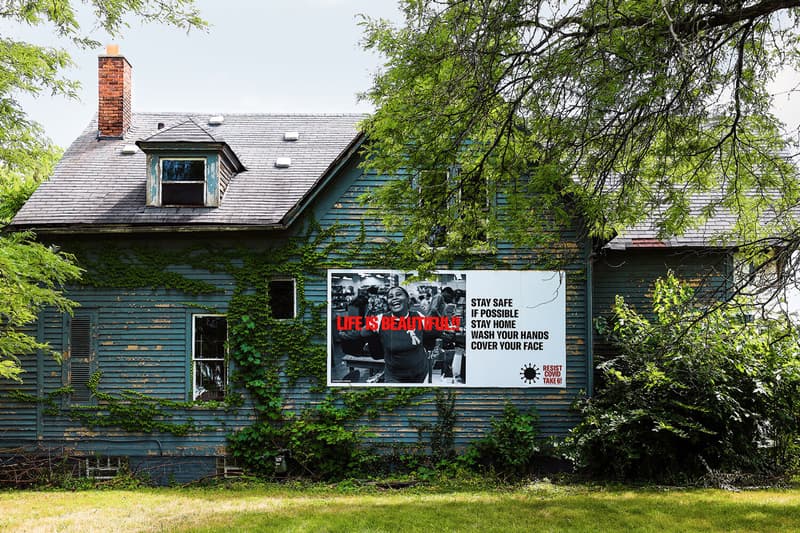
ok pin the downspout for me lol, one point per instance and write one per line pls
(589, 318)
(40, 376)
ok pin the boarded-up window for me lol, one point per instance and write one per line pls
(81, 356)
(282, 298)
(210, 337)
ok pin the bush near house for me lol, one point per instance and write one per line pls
(692, 390)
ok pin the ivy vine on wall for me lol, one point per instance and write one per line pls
(321, 439)
(324, 438)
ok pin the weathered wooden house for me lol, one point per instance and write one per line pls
(218, 252)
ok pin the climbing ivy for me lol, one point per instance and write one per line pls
(128, 410)
(323, 439)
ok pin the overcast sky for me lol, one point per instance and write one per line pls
(258, 56)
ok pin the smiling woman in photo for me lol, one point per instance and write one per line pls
(405, 356)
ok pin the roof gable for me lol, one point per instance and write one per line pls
(188, 131)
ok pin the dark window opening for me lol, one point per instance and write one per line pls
(183, 193)
(437, 237)
(477, 201)
(209, 366)
(183, 181)
(282, 298)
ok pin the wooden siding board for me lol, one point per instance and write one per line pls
(632, 274)
(475, 407)
(143, 344)
(18, 420)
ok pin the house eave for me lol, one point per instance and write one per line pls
(89, 229)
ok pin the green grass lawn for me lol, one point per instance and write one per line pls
(535, 507)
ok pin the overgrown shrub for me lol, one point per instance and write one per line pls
(691, 389)
(316, 444)
(512, 444)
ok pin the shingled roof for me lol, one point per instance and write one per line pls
(711, 232)
(96, 185)
(186, 131)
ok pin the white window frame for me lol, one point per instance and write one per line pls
(195, 389)
(161, 179)
(294, 294)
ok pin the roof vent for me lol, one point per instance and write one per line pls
(129, 149)
(283, 162)
(216, 120)
(291, 135)
(160, 125)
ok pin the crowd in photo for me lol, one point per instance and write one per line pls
(397, 331)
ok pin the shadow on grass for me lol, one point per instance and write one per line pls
(676, 511)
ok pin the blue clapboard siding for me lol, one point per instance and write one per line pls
(144, 334)
(632, 274)
(475, 407)
(18, 419)
(142, 345)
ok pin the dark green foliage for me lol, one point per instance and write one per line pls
(32, 277)
(316, 443)
(128, 410)
(442, 437)
(691, 390)
(611, 109)
(512, 444)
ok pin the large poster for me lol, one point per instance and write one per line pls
(459, 328)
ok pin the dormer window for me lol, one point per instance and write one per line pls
(187, 166)
(183, 181)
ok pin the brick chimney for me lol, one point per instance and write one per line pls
(114, 94)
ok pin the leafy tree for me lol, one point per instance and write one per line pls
(32, 275)
(691, 390)
(32, 278)
(622, 108)
(33, 69)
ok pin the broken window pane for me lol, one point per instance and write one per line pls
(183, 170)
(209, 380)
(209, 369)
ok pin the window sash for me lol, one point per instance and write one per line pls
(209, 373)
(183, 189)
(187, 166)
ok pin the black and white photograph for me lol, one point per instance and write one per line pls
(391, 328)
